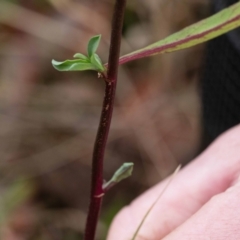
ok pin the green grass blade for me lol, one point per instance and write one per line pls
(202, 31)
(154, 203)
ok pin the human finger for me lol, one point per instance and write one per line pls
(217, 219)
(209, 174)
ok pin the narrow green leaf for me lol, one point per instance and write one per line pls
(93, 45)
(202, 31)
(123, 172)
(81, 56)
(73, 65)
(96, 61)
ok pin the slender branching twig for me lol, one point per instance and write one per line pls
(97, 191)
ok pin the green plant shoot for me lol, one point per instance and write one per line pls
(123, 172)
(81, 62)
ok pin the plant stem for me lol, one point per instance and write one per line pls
(97, 191)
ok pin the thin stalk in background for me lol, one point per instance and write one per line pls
(97, 191)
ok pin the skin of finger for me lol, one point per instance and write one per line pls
(211, 173)
(217, 219)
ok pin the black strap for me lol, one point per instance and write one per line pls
(220, 84)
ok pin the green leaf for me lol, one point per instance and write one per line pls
(82, 62)
(200, 32)
(81, 56)
(73, 65)
(96, 61)
(93, 45)
(123, 172)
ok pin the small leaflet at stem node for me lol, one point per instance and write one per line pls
(123, 172)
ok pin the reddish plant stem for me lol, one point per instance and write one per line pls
(97, 192)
